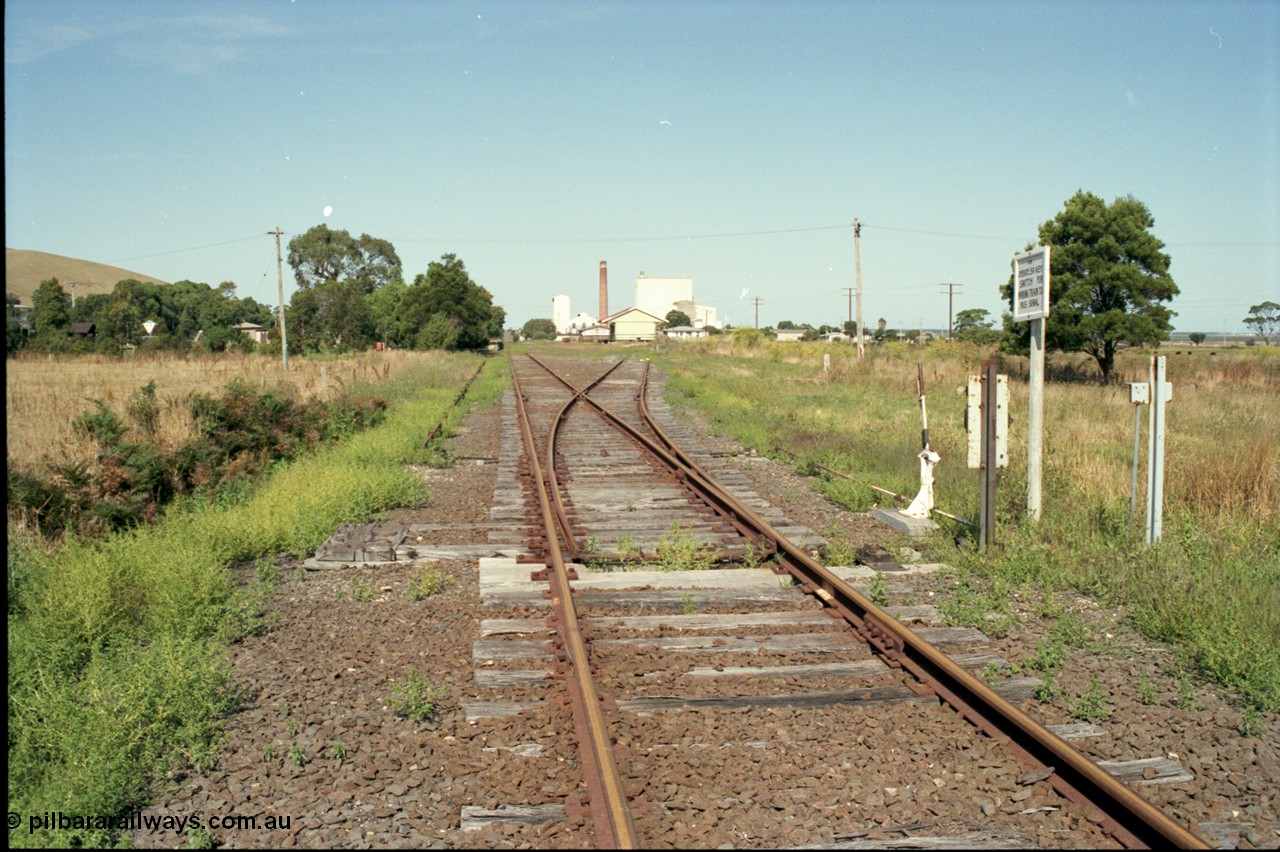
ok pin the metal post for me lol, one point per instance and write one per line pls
(857, 265)
(1035, 420)
(990, 473)
(1133, 485)
(1155, 451)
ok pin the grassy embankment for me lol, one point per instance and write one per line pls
(1211, 588)
(116, 647)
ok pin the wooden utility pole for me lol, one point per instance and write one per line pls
(757, 300)
(848, 291)
(951, 301)
(284, 341)
(857, 266)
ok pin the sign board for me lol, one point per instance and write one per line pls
(1031, 284)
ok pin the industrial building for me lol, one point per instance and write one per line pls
(655, 297)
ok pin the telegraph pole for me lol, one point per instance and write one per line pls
(757, 300)
(284, 341)
(951, 297)
(857, 265)
(848, 291)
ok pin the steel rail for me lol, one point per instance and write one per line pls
(1127, 817)
(611, 816)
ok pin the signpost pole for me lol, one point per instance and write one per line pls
(1031, 303)
(1035, 420)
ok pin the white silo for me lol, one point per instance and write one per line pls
(560, 313)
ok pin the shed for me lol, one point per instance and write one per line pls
(84, 329)
(632, 324)
(684, 332)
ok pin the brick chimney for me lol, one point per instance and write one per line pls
(604, 290)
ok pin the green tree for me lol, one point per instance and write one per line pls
(1265, 321)
(384, 305)
(446, 292)
(1197, 337)
(677, 318)
(332, 315)
(1109, 280)
(973, 325)
(322, 255)
(539, 329)
(51, 309)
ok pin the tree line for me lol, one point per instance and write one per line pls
(350, 294)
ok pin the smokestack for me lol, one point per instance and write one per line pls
(604, 290)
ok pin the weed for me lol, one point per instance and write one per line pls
(297, 755)
(1050, 656)
(688, 603)
(786, 581)
(1069, 630)
(840, 551)
(200, 837)
(970, 604)
(293, 727)
(268, 753)
(339, 751)
(340, 594)
(300, 573)
(429, 581)
(628, 549)
(1090, 707)
(878, 590)
(754, 555)
(361, 591)
(1147, 692)
(1047, 689)
(1251, 725)
(1187, 693)
(414, 698)
(678, 550)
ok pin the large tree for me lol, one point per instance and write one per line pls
(51, 308)
(539, 329)
(1265, 321)
(1109, 281)
(457, 310)
(322, 255)
(973, 325)
(330, 316)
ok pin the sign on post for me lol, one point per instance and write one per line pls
(1031, 304)
(1031, 284)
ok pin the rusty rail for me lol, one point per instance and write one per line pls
(1126, 816)
(611, 816)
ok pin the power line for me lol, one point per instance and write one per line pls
(192, 248)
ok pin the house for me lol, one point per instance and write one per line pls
(684, 332)
(632, 324)
(835, 336)
(792, 334)
(84, 329)
(253, 331)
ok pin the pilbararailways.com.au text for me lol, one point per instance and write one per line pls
(51, 820)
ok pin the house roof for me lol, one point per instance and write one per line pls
(618, 315)
(83, 328)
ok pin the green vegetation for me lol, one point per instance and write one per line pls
(116, 646)
(678, 550)
(429, 581)
(414, 698)
(1210, 589)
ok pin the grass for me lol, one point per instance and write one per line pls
(116, 647)
(414, 697)
(1210, 589)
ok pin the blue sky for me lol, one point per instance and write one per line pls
(731, 142)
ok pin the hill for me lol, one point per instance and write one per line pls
(25, 269)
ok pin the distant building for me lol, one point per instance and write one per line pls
(560, 313)
(84, 329)
(253, 331)
(685, 332)
(792, 334)
(632, 324)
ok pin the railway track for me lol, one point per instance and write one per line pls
(751, 696)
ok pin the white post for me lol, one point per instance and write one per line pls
(1035, 420)
(1160, 394)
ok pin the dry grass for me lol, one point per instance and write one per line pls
(44, 393)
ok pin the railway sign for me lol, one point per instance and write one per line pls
(1031, 284)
